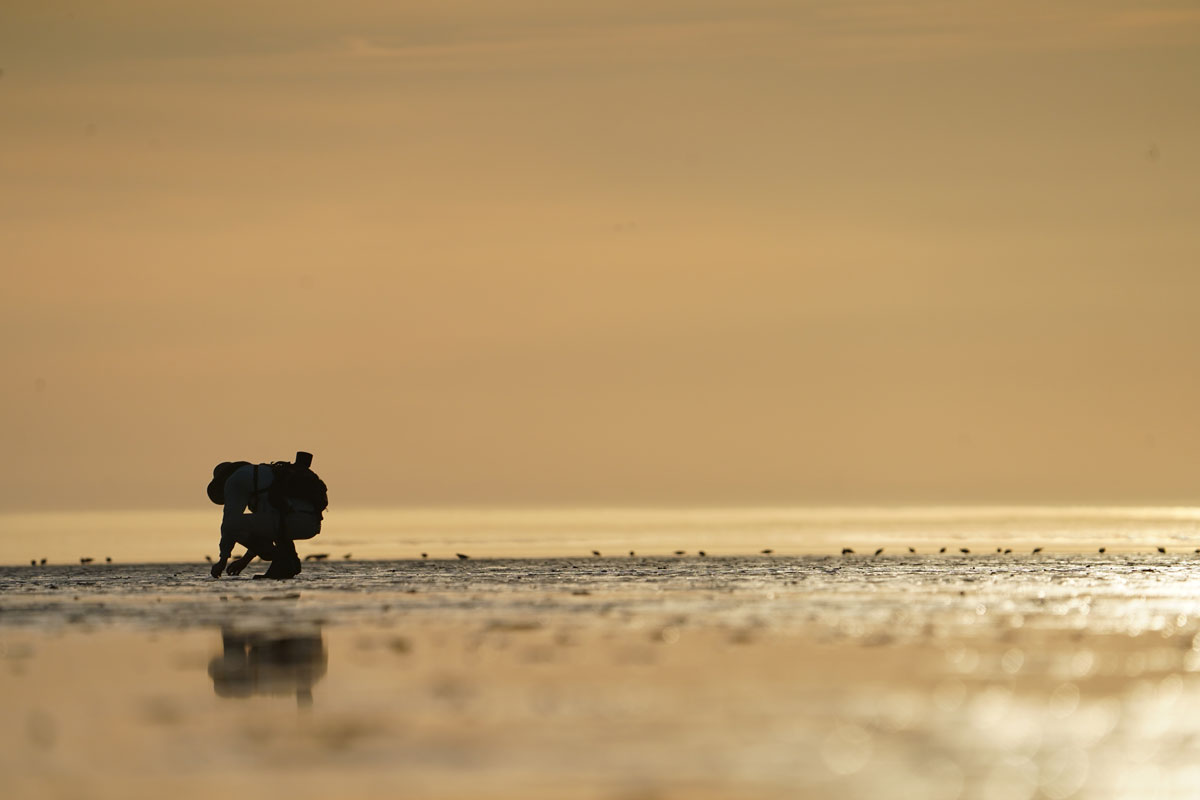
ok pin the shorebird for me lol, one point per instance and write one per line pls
(681, 552)
(208, 559)
(964, 550)
(632, 553)
(347, 556)
(703, 553)
(1007, 550)
(43, 562)
(33, 562)
(108, 559)
(880, 550)
(424, 555)
(1037, 549)
(847, 551)
(912, 549)
(942, 550)
(1102, 549)
(595, 552)
(461, 556)
(1162, 549)
(767, 552)
(85, 560)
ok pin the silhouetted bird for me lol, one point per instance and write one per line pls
(942, 550)
(631, 553)
(1007, 550)
(108, 559)
(463, 557)
(43, 562)
(1162, 549)
(1102, 549)
(1037, 549)
(85, 560)
(680, 552)
(33, 562)
(595, 552)
(912, 550)
(847, 551)
(703, 553)
(880, 550)
(347, 556)
(997, 549)
(208, 559)
(424, 555)
(964, 550)
(767, 552)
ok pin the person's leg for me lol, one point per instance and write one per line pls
(257, 533)
(236, 567)
(286, 563)
(262, 535)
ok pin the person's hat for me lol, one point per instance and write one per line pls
(221, 473)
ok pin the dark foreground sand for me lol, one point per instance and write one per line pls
(907, 676)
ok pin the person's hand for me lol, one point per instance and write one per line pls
(218, 568)
(240, 564)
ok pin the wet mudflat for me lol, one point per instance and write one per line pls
(966, 676)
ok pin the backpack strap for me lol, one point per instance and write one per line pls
(256, 492)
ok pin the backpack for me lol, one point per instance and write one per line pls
(298, 483)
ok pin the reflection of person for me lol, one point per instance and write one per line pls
(285, 502)
(268, 664)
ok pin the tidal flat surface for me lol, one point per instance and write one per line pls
(939, 676)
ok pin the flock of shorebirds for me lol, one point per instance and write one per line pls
(846, 551)
(849, 551)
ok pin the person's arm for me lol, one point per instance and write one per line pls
(237, 498)
(240, 564)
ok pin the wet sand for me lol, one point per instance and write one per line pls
(771, 676)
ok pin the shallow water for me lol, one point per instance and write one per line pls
(940, 675)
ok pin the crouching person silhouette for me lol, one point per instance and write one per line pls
(286, 501)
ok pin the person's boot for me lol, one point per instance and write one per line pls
(287, 562)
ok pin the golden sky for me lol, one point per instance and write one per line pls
(493, 251)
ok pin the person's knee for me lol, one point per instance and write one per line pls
(261, 546)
